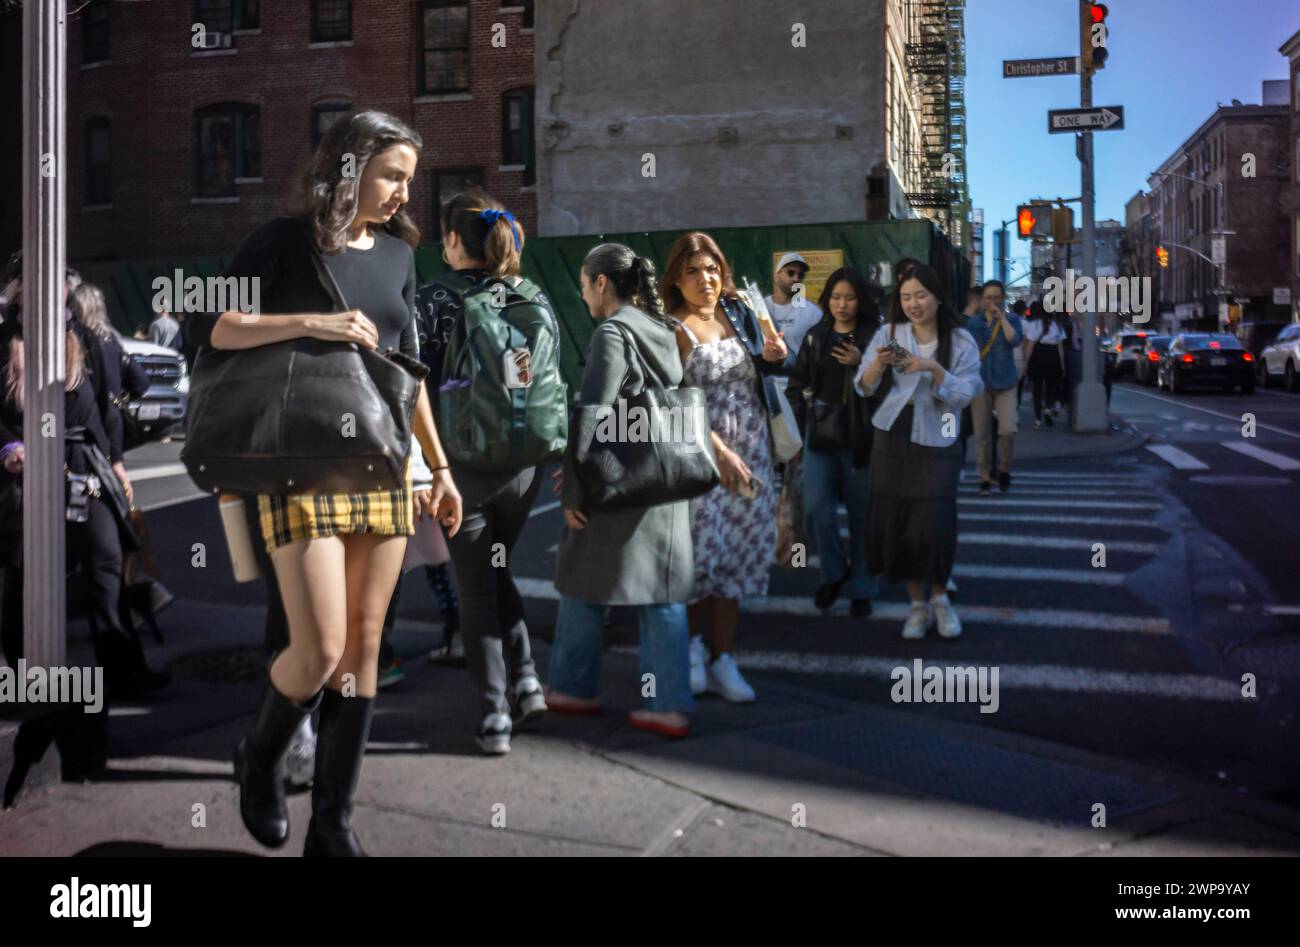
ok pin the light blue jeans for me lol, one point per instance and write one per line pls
(665, 654)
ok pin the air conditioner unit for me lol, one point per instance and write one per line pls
(215, 40)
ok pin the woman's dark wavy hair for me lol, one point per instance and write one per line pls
(946, 318)
(685, 247)
(868, 307)
(327, 197)
(632, 276)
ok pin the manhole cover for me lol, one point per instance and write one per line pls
(221, 666)
(1229, 480)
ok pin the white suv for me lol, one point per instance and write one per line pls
(1281, 359)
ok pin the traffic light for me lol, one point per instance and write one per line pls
(1162, 255)
(1093, 35)
(1034, 220)
(1063, 225)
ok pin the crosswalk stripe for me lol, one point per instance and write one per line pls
(1055, 520)
(1179, 459)
(157, 472)
(1034, 574)
(1054, 618)
(1057, 503)
(1021, 540)
(1272, 458)
(1013, 676)
(1065, 492)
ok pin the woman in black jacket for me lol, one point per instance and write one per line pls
(341, 270)
(95, 543)
(837, 434)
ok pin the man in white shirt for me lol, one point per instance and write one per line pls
(793, 314)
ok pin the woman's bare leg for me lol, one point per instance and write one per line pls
(726, 614)
(311, 576)
(372, 564)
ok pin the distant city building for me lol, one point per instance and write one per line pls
(1231, 174)
(1291, 50)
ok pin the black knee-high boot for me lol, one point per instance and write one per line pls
(259, 766)
(340, 746)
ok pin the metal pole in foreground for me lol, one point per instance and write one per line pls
(44, 254)
(1088, 414)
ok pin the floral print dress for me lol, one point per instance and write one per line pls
(733, 537)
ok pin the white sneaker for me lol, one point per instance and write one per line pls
(699, 663)
(725, 679)
(952, 586)
(945, 616)
(300, 758)
(918, 621)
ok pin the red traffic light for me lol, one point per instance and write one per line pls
(1099, 12)
(1025, 220)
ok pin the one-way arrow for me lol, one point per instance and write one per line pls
(1102, 118)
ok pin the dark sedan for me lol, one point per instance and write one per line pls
(1148, 359)
(1206, 360)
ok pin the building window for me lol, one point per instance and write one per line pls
(228, 146)
(528, 16)
(226, 16)
(323, 116)
(94, 36)
(331, 21)
(517, 131)
(447, 184)
(99, 163)
(444, 47)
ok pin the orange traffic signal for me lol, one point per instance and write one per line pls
(1162, 255)
(1026, 220)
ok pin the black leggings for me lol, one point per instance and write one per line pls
(497, 649)
(96, 547)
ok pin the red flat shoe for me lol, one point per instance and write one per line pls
(558, 703)
(658, 726)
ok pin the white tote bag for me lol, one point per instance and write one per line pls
(785, 430)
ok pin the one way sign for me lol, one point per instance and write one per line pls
(1104, 118)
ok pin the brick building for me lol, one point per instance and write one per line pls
(1291, 50)
(181, 151)
(1230, 174)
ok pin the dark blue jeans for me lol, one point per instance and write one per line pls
(829, 479)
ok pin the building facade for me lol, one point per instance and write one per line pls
(811, 112)
(189, 121)
(1229, 175)
(1291, 50)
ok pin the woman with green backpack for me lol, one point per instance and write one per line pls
(491, 341)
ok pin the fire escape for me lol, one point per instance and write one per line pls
(936, 62)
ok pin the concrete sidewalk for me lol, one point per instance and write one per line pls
(794, 773)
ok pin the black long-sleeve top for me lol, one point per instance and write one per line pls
(295, 278)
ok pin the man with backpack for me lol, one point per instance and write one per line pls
(491, 341)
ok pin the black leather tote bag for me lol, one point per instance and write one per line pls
(666, 458)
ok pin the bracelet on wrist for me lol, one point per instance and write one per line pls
(436, 469)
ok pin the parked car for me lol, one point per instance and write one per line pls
(1196, 359)
(1148, 360)
(1126, 346)
(161, 409)
(1280, 360)
(1256, 336)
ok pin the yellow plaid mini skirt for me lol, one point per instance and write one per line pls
(291, 517)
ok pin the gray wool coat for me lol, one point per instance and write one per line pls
(632, 557)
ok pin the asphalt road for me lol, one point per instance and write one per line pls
(1142, 658)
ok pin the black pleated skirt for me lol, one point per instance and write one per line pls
(912, 530)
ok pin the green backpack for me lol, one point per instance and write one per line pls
(486, 422)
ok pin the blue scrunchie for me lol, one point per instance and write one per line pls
(492, 215)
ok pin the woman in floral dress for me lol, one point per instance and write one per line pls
(733, 526)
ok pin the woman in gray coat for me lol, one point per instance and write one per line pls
(639, 557)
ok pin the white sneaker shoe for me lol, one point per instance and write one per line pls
(300, 758)
(699, 663)
(945, 616)
(918, 621)
(725, 679)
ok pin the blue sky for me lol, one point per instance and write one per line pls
(1170, 62)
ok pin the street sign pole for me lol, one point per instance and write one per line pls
(1088, 406)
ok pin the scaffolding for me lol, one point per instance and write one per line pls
(936, 64)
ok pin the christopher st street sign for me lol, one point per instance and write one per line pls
(1054, 66)
(1103, 118)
